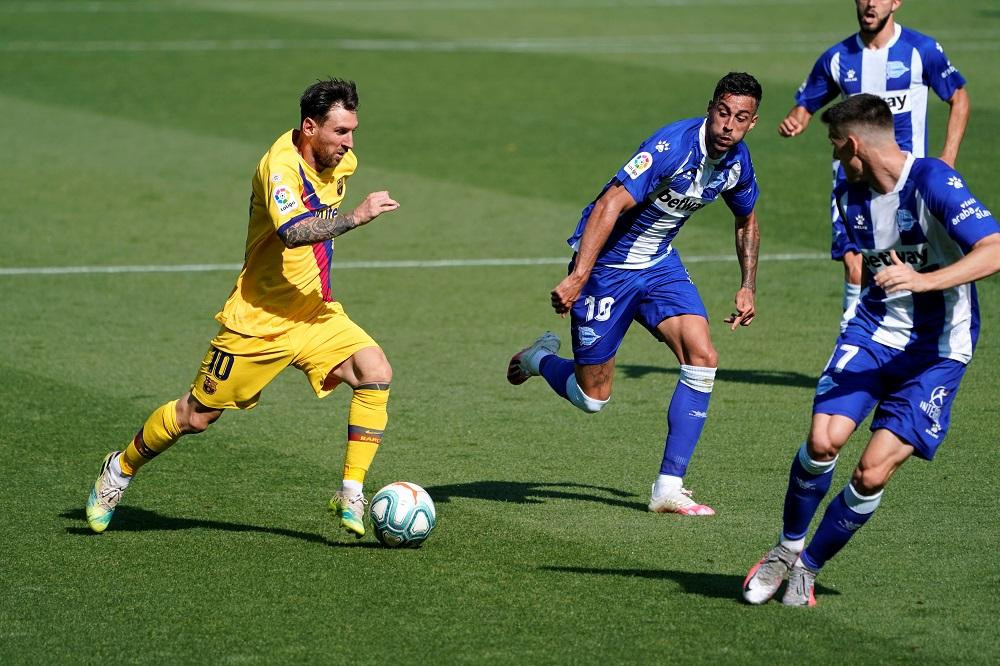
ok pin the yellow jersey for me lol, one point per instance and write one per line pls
(278, 286)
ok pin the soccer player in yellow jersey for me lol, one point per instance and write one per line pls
(282, 310)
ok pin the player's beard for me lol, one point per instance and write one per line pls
(878, 27)
(327, 160)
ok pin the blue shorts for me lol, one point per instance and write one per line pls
(614, 297)
(911, 393)
(840, 244)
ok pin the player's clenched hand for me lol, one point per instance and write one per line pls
(374, 205)
(790, 126)
(900, 277)
(745, 309)
(565, 294)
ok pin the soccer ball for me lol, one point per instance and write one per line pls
(402, 514)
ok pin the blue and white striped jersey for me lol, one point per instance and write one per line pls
(900, 73)
(671, 176)
(931, 220)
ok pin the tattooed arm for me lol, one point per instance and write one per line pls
(747, 249)
(316, 229)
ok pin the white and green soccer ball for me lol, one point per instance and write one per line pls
(402, 515)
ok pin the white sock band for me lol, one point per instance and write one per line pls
(120, 478)
(698, 378)
(863, 504)
(581, 399)
(814, 466)
(852, 296)
(852, 292)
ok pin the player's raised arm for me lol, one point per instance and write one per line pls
(615, 201)
(317, 229)
(795, 122)
(747, 251)
(958, 119)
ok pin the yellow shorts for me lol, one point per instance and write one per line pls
(237, 367)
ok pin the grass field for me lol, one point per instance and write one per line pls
(131, 130)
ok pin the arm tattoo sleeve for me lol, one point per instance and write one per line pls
(747, 248)
(316, 229)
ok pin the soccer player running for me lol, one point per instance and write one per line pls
(925, 238)
(625, 268)
(282, 310)
(899, 65)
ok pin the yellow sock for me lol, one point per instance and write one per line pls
(365, 425)
(156, 435)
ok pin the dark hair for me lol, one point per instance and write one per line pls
(318, 98)
(864, 109)
(738, 83)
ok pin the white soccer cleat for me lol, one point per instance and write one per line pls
(679, 501)
(105, 495)
(801, 584)
(524, 364)
(765, 577)
(351, 511)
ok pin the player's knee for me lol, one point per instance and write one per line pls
(200, 421)
(193, 417)
(703, 358)
(869, 480)
(374, 371)
(581, 400)
(821, 447)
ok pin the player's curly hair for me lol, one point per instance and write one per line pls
(738, 83)
(864, 109)
(318, 98)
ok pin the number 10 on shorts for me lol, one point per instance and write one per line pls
(603, 308)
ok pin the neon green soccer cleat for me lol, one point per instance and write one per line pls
(104, 496)
(351, 511)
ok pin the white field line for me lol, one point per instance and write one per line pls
(347, 265)
(985, 40)
(340, 6)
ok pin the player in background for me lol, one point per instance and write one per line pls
(626, 269)
(899, 65)
(282, 310)
(924, 238)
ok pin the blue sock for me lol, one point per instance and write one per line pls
(846, 514)
(808, 483)
(556, 372)
(685, 421)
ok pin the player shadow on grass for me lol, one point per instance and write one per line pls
(772, 377)
(131, 519)
(718, 586)
(533, 493)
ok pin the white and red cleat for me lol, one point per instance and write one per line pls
(679, 501)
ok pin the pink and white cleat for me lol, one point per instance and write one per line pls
(765, 577)
(679, 501)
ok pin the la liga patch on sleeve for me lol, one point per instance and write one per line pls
(285, 199)
(638, 165)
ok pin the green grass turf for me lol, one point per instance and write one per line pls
(119, 153)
